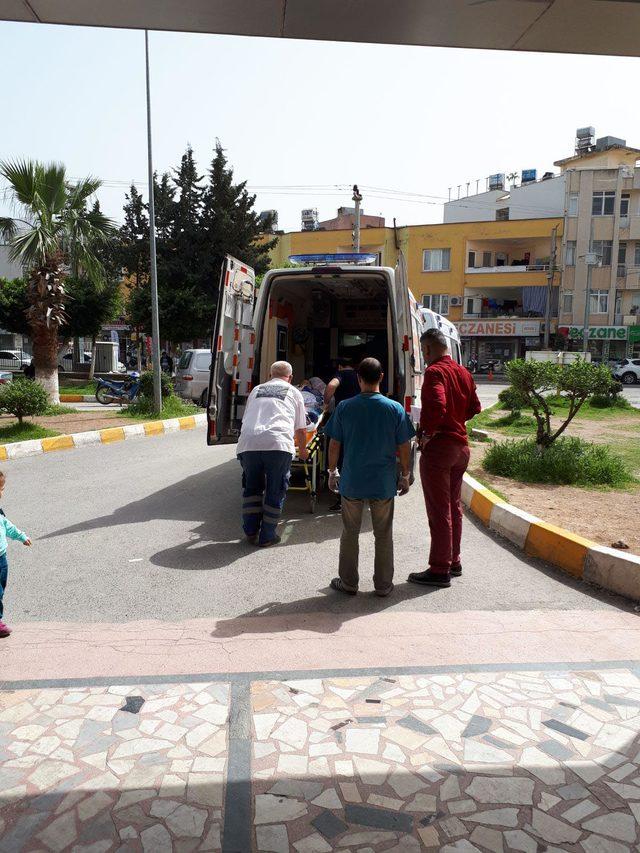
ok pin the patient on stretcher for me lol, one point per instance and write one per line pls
(313, 396)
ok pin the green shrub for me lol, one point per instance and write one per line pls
(511, 400)
(575, 383)
(23, 398)
(146, 384)
(613, 399)
(172, 407)
(569, 461)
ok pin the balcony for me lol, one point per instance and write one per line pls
(488, 314)
(506, 269)
(507, 303)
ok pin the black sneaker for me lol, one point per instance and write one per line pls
(429, 578)
(456, 571)
(336, 507)
(337, 584)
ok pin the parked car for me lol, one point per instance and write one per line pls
(65, 360)
(14, 359)
(628, 371)
(192, 375)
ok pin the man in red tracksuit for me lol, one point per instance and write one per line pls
(449, 400)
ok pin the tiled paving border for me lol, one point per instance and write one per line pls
(391, 796)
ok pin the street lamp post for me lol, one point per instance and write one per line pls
(155, 321)
(592, 260)
(357, 197)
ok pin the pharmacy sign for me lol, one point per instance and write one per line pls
(596, 333)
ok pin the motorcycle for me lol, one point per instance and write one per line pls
(490, 366)
(126, 391)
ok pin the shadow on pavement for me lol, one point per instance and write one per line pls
(340, 607)
(212, 498)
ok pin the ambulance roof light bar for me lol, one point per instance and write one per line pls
(358, 258)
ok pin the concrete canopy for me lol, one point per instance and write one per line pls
(564, 26)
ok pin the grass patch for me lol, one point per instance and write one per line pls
(60, 410)
(515, 423)
(87, 388)
(588, 411)
(629, 453)
(484, 420)
(511, 423)
(172, 407)
(484, 482)
(568, 462)
(24, 432)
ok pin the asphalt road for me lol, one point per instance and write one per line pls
(488, 393)
(150, 528)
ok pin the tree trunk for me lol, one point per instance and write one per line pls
(45, 316)
(45, 359)
(92, 366)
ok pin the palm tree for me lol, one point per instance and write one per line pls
(53, 235)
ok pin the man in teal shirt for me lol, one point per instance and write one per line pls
(371, 430)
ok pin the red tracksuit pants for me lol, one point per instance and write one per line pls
(442, 465)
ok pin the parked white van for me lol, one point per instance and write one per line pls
(324, 308)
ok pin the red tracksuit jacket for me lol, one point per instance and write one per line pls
(449, 399)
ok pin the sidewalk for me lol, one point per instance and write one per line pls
(468, 731)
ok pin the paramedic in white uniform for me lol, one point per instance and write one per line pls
(273, 417)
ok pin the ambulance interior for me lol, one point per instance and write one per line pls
(313, 320)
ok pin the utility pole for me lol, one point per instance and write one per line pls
(592, 260)
(550, 276)
(357, 198)
(155, 321)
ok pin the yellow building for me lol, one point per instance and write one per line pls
(490, 278)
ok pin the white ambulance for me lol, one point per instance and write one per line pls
(324, 308)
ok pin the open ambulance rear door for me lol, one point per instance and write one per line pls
(405, 333)
(232, 348)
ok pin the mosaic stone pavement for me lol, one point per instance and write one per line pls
(113, 768)
(470, 761)
(476, 761)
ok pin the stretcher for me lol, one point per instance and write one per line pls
(307, 475)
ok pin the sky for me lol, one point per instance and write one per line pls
(302, 121)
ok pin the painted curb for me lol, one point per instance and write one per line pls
(20, 449)
(78, 398)
(606, 567)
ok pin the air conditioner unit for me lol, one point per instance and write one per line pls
(455, 301)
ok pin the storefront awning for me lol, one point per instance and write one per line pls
(563, 26)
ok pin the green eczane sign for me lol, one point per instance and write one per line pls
(600, 333)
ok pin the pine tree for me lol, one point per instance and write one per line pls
(196, 226)
(133, 244)
(229, 223)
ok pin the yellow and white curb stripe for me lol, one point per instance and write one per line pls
(607, 567)
(20, 449)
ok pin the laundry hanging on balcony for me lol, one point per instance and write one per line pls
(534, 301)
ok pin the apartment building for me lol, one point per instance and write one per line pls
(602, 224)
(491, 278)
(597, 194)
